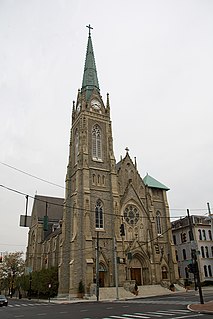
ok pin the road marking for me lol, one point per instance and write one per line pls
(189, 316)
(119, 317)
(42, 314)
(137, 316)
(153, 314)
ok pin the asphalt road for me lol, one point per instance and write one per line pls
(172, 306)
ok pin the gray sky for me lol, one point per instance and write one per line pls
(154, 57)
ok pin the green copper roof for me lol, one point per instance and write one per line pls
(153, 183)
(90, 78)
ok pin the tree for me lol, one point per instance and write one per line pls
(12, 268)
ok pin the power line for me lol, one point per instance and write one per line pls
(28, 174)
(60, 186)
(77, 208)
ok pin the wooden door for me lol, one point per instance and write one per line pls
(136, 275)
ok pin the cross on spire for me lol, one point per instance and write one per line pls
(90, 28)
(127, 149)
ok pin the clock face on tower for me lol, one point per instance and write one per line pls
(78, 107)
(96, 105)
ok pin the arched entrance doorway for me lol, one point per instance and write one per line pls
(139, 270)
(102, 275)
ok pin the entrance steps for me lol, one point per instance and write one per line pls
(109, 293)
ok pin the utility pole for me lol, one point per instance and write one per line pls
(116, 268)
(194, 260)
(97, 266)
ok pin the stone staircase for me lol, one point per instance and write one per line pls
(109, 293)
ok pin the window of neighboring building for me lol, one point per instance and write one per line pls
(207, 252)
(99, 220)
(212, 250)
(202, 252)
(164, 272)
(158, 223)
(210, 234)
(184, 254)
(200, 234)
(204, 234)
(210, 270)
(174, 240)
(96, 143)
(205, 271)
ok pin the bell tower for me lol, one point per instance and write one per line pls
(91, 189)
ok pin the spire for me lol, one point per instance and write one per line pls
(90, 78)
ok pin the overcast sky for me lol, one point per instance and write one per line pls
(154, 58)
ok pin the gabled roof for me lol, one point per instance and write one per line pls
(153, 183)
(90, 78)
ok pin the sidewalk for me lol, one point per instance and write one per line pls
(206, 308)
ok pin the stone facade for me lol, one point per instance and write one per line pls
(100, 197)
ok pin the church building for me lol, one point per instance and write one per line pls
(113, 226)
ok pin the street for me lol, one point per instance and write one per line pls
(171, 306)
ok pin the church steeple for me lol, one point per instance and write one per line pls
(90, 78)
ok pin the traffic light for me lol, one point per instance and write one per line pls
(122, 230)
(45, 223)
(191, 268)
(184, 239)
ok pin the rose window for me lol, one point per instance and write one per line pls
(131, 214)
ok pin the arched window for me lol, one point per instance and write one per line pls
(93, 179)
(184, 254)
(158, 223)
(210, 270)
(210, 234)
(76, 145)
(103, 180)
(205, 271)
(200, 234)
(99, 220)
(204, 234)
(207, 252)
(202, 252)
(96, 143)
(212, 250)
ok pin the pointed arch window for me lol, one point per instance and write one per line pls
(158, 223)
(96, 143)
(76, 145)
(99, 218)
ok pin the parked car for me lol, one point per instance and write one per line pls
(3, 301)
